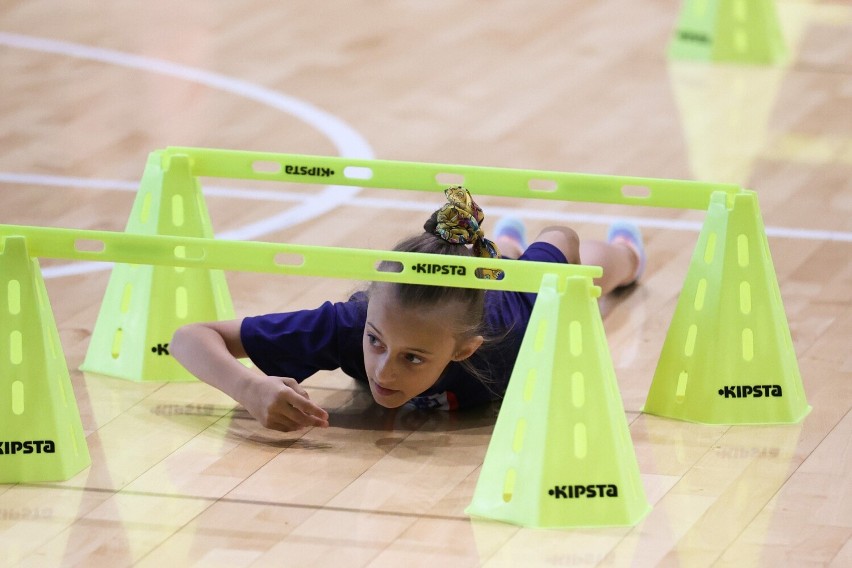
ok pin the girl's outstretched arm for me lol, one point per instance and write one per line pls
(210, 352)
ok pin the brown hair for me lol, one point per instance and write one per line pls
(426, 296)
(471, 317)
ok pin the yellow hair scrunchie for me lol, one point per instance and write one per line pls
(459, 221)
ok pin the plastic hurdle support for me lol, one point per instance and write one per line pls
(41, 435)
(737, 31)
(728, 357)
(145, 303)
(561, 453)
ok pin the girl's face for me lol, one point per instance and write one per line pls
(406, 350)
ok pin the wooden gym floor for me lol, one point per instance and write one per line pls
(181, 476)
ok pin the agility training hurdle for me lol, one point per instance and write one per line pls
(727, 358)
(603, 443)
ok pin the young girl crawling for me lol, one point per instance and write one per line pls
(431, 346)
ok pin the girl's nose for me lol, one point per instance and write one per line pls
(384, 371)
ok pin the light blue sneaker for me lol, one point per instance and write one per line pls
(624, 232)
(513, 229)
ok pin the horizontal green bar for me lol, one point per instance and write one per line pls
(281, 258)
(505, 182)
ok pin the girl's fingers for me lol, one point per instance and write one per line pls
(308, 408)
(300, 410)
(294, 384)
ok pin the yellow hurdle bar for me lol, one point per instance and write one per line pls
(505, 182)
(290, 259)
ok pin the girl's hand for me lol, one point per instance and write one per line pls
(210, 352)
(280, 403)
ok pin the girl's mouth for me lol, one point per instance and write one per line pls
(382, 390)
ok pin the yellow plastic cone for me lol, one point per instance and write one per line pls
(41, 435)
(144, 305)
(561, 453)
(728, 357)
(737, 31)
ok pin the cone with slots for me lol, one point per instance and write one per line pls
(41, 435)
(728, 357)
(143, 304)
(561, 453)
(736, 31)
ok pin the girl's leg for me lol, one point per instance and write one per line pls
(622, 256)
(619, 263)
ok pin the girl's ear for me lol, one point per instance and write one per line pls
(468, 347)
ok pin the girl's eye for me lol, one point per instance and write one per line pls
(414, 359)
(373, 340)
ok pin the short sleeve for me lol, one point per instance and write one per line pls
(298, 344)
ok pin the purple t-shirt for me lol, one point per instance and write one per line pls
(298, 344)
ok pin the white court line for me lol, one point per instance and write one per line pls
(400, 205)
(348, 142)
(346, 139)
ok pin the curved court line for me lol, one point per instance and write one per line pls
(347, 141)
